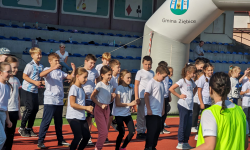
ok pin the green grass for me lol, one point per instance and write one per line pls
(38, 121)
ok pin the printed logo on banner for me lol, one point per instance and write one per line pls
(37, 3)
(86, 5)
(133, 8)
(179, 7)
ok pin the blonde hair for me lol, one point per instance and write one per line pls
(11, 59)
(79, 71)
(114, 62)
(34, 50)
(106, 56)
(121, 76)
(53, 55)
(233, 69)
(2, 65)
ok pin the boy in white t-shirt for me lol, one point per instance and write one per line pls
(106, 57)
(142, 78)
(245, 91)
(116, 68)
(53, 99)
(155, 107)
(89, 86)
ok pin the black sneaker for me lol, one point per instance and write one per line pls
(107, 140)
(23, 132)
(114, 126)
(63, 143)
(41, 146)
(141, 136)
(31, 132)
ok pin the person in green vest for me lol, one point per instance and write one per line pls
(223, 125)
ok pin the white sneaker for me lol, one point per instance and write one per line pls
(190, 147)
(196, 137)
(194, 129)
(182, 146)
(90, 143)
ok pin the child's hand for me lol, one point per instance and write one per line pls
(132, 109)
(90, 109)
(19, 116)
(104, 106)
(183, 96)
(113, 95)
(9, 123)
(138, 101)
(57, 66)
(38, 83)
(246, 71)
(43, 82)
(149, 112)
(133, 103)
(73, 66)
(163, 112)
(202, 106)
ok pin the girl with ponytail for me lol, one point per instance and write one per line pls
(76, 110)
(185, 104)
(234, 73)
(223, 126)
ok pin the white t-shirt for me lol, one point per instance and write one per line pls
(196, 99)
(4, 96)
(166, 86)
(244, 80)
(246, 97)
(104, 92)
(13, 103)
(234, 93)
(62, 57)
(143, 76)
(54, 92)
(186, 88)
(80, 100)
(208, 122)
(198, 50)
(98, 68)
(114, 82)
(89, 86)
(156, 96)
(125, 97)
(205, 90)
(33, 71)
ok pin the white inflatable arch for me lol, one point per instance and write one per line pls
(175, 24)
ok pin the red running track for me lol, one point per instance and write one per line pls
(166, 141)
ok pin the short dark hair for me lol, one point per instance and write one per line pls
(114, 62)
(147, 58)
(162, 69)
(105, 69)
(90, 57)
(163, 63)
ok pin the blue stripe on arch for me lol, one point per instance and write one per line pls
(175, 4)
(187, 4)
(171, 3)
(182, 2)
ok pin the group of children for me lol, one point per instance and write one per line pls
(104, 93)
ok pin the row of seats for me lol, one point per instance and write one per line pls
(98, 55)
(63, 41)
(222, 52)
(72, 31)
(215, 43)
(223, 61)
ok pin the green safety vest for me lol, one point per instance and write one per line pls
(231, 128)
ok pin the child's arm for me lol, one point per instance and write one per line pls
(28, 79)
(74, 105)
(136, 89)
(172, 90)
(210, 143)
(119, 104)
(45, 72)
(92, 97)
(244, 92)
(245, 73)
(19, 113)
(195, 90)
(8, 122)
(200, 98)
(113, 96)
(169, 96)
(163, 109)
(146, 98)
(73, 72)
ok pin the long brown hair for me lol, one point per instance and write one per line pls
(79, 71)
(11, 59)
(188, 68)
(121, 76)
(105, 69)
(2, 65)
(205, 68)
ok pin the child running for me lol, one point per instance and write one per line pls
(121, 109)
(185, 104)
(5, 87)
(102, 96)
(234, 94)
(155, 107)
(13, 103)
(223, 125)
(76, 110)
(245, 91)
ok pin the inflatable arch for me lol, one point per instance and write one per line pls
(175, 24)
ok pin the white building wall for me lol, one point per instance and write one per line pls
(241, 20)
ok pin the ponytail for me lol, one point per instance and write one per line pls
(233, 69)
(79, 71)
(188, 68)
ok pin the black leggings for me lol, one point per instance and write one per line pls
(10, 132)
(120, 127)
(80, 130)
(196, 113)
(166, 112)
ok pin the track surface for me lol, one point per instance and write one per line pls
(166, 141)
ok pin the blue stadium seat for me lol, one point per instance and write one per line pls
(222, 52)
(85, 43)
(134, 70)
(241, 73)
(204, 51)
(2, 37)
(243, 62)
(230, 62)
(214, 43)
(101, 33)
(220, 43)
(190, 60)
(119, 57)
(237, 62)
(135, 36)
(246, 53)
(139, 58)
(25, 53)
(191, 50)
(217, 61)
(112, 57)
(215, 52)
(62, 41)
(211, 61)
(61, 30)
(207, 42)
(209, 51)
(71, 56)
(127, 35)
(51, 40)
(226, 44)
(77, 55)
(240, 53)
(228, 52)
(105, 44)
(14, 38)
(133, 46)
(225, 71)
(15, 26)
(98, 55)
(80, 31)
(27, 27)
(44, 54)
(234, 52)
(120, 35)
(129, 57)
(74, 42)
(231, 45)
(110, 34)
(2, 24)
(56, 42)
(69, 31)
(97, 44)
(90, 32)
(224, 62)
(139, 46)
(248, 62)
(27, 39)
